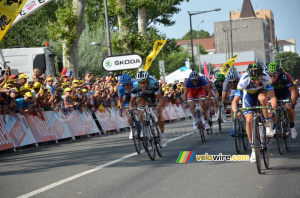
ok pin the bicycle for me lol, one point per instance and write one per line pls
(261, 142)
(240, 134)
(151, 133)
(282, 126)
(199, 119)
(209, 117)
(220, 110)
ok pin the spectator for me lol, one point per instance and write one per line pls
(23, 103)
(22, 80)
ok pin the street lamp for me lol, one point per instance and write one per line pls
(281, 59)
(227, 40)
(198, 45)
(191, 13)
(96, 43)
(107, 29)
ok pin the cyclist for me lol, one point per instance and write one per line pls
(124, 92)
(145, 87)
(284, 89)
(254, 86)
(195, 87)
(230, 84)
(219, 84)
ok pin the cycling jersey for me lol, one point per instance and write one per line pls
(218, 87)
(196, 91)
(124, 95)
(246, 84)
(151, 90)
(281, 86)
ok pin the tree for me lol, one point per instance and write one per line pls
(291, 63)
(201, 35)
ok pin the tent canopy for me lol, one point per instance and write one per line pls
(180, 74)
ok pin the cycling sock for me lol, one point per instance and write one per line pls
(292, 124)
(268, 121)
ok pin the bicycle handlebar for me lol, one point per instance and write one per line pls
(255, 107)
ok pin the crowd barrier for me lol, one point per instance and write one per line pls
(32, 129)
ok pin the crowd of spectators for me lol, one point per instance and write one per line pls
(21, 94)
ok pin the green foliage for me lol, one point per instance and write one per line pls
(33, 30)
(201, 35)
(291, 64)
(65, 28)
(90, 57)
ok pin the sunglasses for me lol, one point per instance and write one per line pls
(124, 85)
(255, 78)
(142, 82)
(195, 81)
(231, 82)
(273, 75)
(50, 80)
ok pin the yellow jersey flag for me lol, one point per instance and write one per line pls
(158, 45)
(9, 10)
(226, 66)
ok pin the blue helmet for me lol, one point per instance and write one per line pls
(125, 79)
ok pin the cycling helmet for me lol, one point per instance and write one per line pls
(194, 75)
(221, 77)
(273, 67)
(125, 79)
(232, 75)
(254, 70)
(217, 74)
(266, 69)
(142, 76)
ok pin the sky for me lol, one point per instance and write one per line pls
(286, 17)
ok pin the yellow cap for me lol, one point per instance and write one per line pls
(23, 76)
(37, 85)
(75, 85)
(28, 94)
(49, 78)
(163, 89)
(65, 84)
(166, 92)
(68, 89)
(75, 81)
(23, 88)
(84, 90)
(14, 90)
(9, 81)
(181, 87)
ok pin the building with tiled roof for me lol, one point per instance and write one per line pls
(208, 44)
(287, 45)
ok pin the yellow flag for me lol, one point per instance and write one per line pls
(156, 48)
(9, 10)
(226, 66)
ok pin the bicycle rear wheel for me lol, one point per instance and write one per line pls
(257, 146)
(136, 136)
(148, 140)
(287, 137)
(237, 135)
(210, 122)
(279, 133)
(199, 124)
(156, 135)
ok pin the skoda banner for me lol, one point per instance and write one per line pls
(122, 62)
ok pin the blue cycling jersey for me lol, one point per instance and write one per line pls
(122, 91)
(201, 82)
(152, 87)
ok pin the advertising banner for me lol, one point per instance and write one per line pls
(40, 128)
(88, 121)
(75, 124)
(165, 114)
(105, 120)
(58, 125)
(122, 62)
(5, 141)
(121, 122)
(18, 130)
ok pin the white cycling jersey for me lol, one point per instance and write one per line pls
(245, 84)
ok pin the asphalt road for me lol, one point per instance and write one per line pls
(107, 166)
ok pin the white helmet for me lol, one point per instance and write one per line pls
(232, 75)
(216, 74)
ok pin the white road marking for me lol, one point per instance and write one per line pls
(58, 183)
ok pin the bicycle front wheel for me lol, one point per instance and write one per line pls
(279, 133)
(219, 118)
(257, 146)
(266, 148)
(237, 136)
(156, 135)
(199, 124)
(136, 136)
(287, 137)
(244, 134)
(148, 140)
